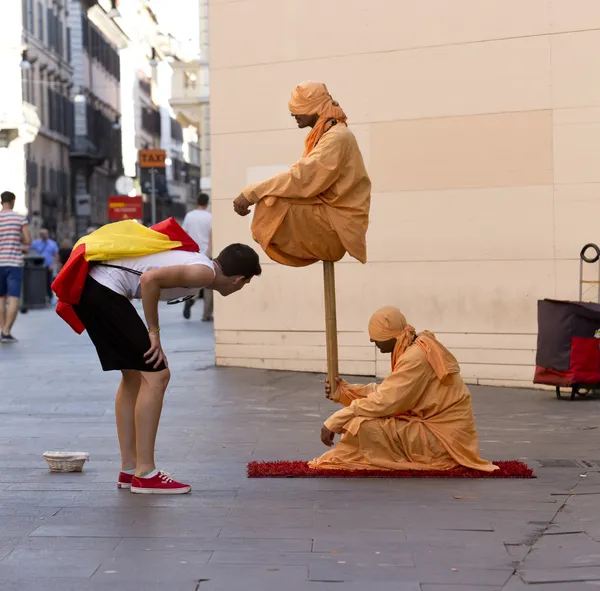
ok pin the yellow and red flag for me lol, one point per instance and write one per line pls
(114, 241)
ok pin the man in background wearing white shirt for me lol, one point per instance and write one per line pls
(198, 224)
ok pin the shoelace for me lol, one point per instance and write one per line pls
(165, 477)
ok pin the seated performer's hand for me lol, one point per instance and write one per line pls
(327, 436)
(328, 386)
(241, 205)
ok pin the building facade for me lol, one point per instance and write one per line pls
(96, 150)
(47, 81)
(479, 123)
(19, 119)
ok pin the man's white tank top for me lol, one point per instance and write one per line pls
(127, 283)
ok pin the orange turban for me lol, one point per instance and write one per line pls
(311, 98)
(389, 323)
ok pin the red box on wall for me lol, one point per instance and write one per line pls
(125, 208)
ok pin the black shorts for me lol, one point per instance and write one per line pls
(116, 329)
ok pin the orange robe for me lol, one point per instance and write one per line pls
(317, 210)
(411, 421)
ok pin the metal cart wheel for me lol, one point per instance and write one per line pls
(574, 392)
(558, 392)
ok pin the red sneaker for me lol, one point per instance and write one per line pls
(160, 484)
(124, 480)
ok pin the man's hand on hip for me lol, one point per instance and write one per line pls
(155, 355)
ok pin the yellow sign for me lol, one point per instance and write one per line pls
(152, 158)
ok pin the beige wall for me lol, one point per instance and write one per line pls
(480, 126)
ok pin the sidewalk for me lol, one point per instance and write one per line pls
(77, 532)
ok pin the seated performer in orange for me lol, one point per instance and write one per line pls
(419, 418)
(319, 209)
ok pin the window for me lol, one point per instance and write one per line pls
(40, 15)
(49, 27)
(30, 16)
(33, 82)
(42, 98)
(68, 44)
(43, 177)
(59, 36)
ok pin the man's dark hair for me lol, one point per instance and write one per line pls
(7, 197)
(203, 199)
(239, 259)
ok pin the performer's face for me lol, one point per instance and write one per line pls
(304, 121)
(385, 346)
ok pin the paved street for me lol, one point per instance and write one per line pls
(77, 532)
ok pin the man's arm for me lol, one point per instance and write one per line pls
(177, 276)
(309, 177)
(151, 283)
(26, 236)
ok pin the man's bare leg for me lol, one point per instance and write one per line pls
(2, 313)
(147, 415)
(12, 309)
(125, 402)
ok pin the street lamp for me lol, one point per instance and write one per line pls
(79, 97)
(113, 12)
(25, 63)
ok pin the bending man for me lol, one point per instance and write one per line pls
(419, 418)
(319, 208)
(126, 343)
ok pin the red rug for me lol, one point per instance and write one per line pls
(510, 469)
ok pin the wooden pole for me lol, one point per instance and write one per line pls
(330, 323)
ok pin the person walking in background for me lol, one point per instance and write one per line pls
(47, 248)
(15, 239)
(64, 252)
(198, 224)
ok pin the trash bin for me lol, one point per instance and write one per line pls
(33, 293)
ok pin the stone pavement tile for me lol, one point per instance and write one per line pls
(240, 532)
(332, 572)
(451, 537)
(559, 575)
(122, 531)
(272, 558)
(374, 516)
(492, 556)
(571, 554)
(68, 544)
(350, 540)
(81, 584)
(461, 588)
(271, 517)
(134, 565)
(267, 585)
(516, 584)
(173, 571)
(222, 544)
(363, 558)
(25, 563)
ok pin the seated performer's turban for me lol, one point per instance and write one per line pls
(313, 98)
(389, 323)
